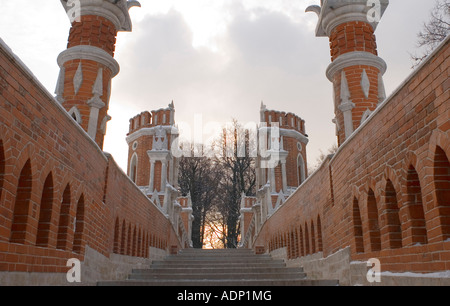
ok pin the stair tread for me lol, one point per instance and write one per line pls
(239, 267)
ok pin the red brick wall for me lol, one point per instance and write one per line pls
(38, 137)
(352, 36)
(93, 31)
(391, 179)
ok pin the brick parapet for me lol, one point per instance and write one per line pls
(406, 134)
(35, 129)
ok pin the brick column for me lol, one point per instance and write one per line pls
(356, 70)
(88, 65)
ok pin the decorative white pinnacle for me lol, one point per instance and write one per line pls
(365, 83)
(78, 79)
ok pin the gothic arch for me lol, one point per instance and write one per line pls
(79, 225)
(45, 212)
(302, 246)
(64, 219)
(441, 178)
(2, 168)
(301, 169)
(123, 238)
(390, 224)
(373, 221)
(319, 234)
(116, 245)
(357, 227)
(415, 223)
(307, 249)
(74, 112)
(133, 168)
(21, 217)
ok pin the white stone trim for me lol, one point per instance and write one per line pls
(365, 84)
(95, 54)
(301, 169)
(355, 58)
(133, 164)
(116, 13)
(335, 12)
(75, 111)
(78, 78)
(366, 115)
(171, 130)
(59, 91)
(287, 133)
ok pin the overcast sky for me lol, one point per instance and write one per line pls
(214, 58)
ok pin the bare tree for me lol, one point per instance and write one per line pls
(434, 31)
(239, 177)
(332, 150)
(199, 177)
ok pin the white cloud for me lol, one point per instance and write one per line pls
(217, 57)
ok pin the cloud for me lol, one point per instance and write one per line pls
(261, 55)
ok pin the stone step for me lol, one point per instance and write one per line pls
(189, 259)
(195, 267)
(199, 252)
(218, 255)
(200, 264)
(209, 270)
(216, 276)
(221, 282)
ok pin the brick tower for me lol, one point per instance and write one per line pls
(356, 70)
(291, 170)
(88, 64)
(151, 164)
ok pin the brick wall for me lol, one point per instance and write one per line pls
(385, 193)
(59, 193)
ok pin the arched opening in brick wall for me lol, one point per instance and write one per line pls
(301, 169)
(372, 216)
(133, 168)
(64, 220)
(394, 230)
(2, 167)
(302, 246)
(313, 238)
(129, 240)
(116, 236)
(22, 205)
(133, 245)
(292, 244)
(319, 235)
(441, 168)
(307, 252)
(416, 225)
(357, 228)
(296, 243)
(139, 243)
(45, 212)
(79, 226)
(123, 239)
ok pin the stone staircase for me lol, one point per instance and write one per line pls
(231, 267)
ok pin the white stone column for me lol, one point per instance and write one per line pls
(163, 175)
(96, 104)
(152, 175)
(272, 180)
(283, 173)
